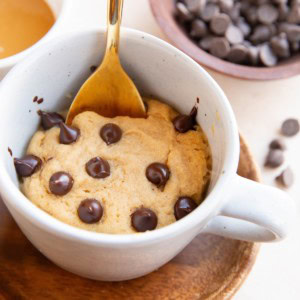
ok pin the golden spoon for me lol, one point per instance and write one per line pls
(109, 91)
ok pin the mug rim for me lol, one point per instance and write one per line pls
(208, 207)
(15, 58)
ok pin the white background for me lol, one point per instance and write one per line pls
(260, 108)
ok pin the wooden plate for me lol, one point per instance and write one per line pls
(211, 267)
(163, 11)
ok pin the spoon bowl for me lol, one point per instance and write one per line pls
(109, 91)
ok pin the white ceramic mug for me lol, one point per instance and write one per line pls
(59, 8)
(234, 207)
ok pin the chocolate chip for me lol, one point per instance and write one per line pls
(198, 29)
(39, 101)
(294, 14)
(251, 15)
(205, 43)
(68, 134)
(260, 34)
(226, 5)
(292, 31)
(50, 120)
(10, 151)
(235, 12)
(183, 206)
(295, 46)
(283, 11)
(93, 69)
(111, 133)
(158, 174)
(290, 127)
(280, 46)
(183, 13)
(27, 165)
(286, 178)
(143, 219)
(243, 26)
(35, 99)
(277, 144)
(184, 123)
(234, 35)
(253, 55)
(98, 167)
(219, 23)
(237, 54)
(274, 158)
(193, 5)
(60, 183)
(267, 56)
(209, 12)
(219, 47)
(267, 14)
(90, 211)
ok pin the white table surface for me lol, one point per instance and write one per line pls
(260, 107)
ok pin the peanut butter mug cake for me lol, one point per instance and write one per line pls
(119, 175)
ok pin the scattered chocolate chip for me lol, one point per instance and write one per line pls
(237, 54)
(183, 206)
(220, 47)
(41, 100)
(219, 23)
(27, 165)
(50, 120)
(274, 158)
(267, 14)
(60, 183)
(267, 56)
(234, 35)
(286, 178)
(93, 68)
(68, 134)
(90, 211)
(143, 219)
(35, 99)
(290, 127)
(158, 174)
(111, 133)
(98, 167)
(277, 144)
(9, 151)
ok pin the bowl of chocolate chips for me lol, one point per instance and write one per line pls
(247, 39)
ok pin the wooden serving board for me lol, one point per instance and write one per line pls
(211, 267)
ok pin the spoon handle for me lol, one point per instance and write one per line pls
(114, 18)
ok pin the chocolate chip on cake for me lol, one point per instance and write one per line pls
(27, 165)
(111, 133)
(290, 127)
(50, 120)
(183, 207)
(158, 174)
(60, 183)
(219, 24)
(68, 134)
(274, 158)
(286, 178)
(143, 219)
(90, 211)
(98, 167)
(184, 123)
(277, 144)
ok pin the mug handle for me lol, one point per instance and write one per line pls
(254, 212)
